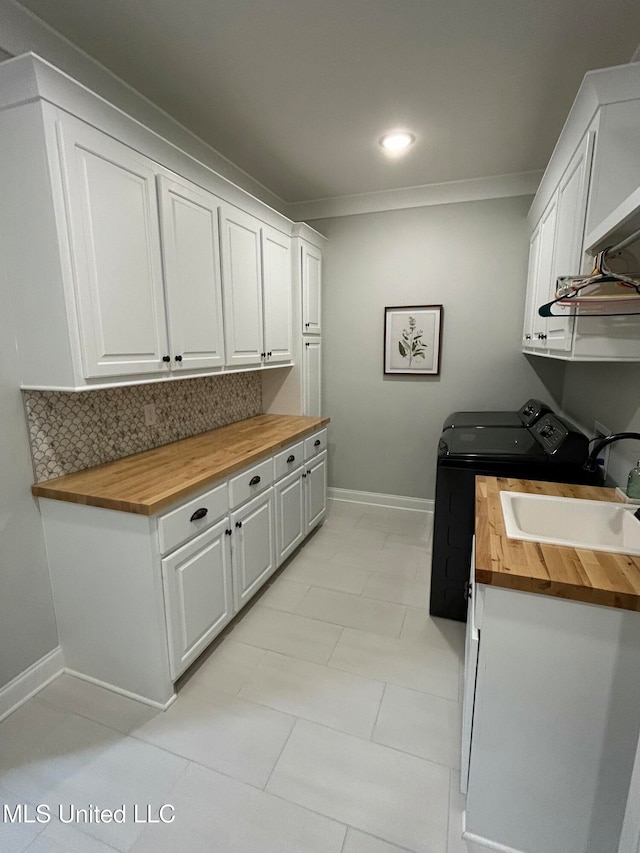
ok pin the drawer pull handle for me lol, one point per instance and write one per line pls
(291, 458)
(199, 513)
(254, 480)
(227, 532)
(238, 524)
(317, 442)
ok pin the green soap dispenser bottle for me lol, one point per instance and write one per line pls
(633, 483)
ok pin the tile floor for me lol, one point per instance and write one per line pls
(325, 720)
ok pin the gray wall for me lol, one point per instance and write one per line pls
(471, 258)
(610, 394)
(27, 621)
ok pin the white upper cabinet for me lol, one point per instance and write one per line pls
(112, 205)
(127, 259)
(189, 218)
(242, 286)
(540, 276)
(588, 200)
(311, 289)
(569, 235)
(276, 268)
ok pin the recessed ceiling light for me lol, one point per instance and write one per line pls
(397, 141)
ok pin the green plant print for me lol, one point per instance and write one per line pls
(411, 345)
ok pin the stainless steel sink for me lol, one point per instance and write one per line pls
(597, 525)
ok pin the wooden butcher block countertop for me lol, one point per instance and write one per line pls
(152, 480)
(580, 574)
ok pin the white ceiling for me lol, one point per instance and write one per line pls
(297, 92)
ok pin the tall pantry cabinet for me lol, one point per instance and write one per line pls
(299, 389)
(311, 289)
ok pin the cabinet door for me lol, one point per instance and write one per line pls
(544, 281)
(113, 210)
(290, 514)
(532, 278)
(572, 210)
(241, 286)
(316, 491)
(254, 552)
(311, 289)
(312, 377)
(189, 218)
(276, 270)
(198, 595)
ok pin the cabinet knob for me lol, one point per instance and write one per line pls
(308, 473)
(306, 325)
(254, 480)
(199, 513)
(178, 358)
(527, 337)
(291, 458)
(317, 442)
(269, 353)
(238, 524)
(304, 476)
(166, 358)
(263, 355)
(227, 532)
(307, 344)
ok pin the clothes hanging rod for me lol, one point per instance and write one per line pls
(624, 243)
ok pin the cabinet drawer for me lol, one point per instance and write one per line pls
(179, 524)
(315, 444)
(251, 482)
(288, 460)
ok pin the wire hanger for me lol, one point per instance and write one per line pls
(603, 293)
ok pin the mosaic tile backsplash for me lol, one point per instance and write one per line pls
(69, 432)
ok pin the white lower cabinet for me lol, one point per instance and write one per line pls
(253, 546)
(316, 491)
(290, 513)
(198, 594)
(139, 597)
(553, 703)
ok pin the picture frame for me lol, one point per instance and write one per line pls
(413, 340)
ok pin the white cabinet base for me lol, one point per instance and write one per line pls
(109, 598)
(556, 721)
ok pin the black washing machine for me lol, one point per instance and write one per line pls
(552, 450)
(527, 415)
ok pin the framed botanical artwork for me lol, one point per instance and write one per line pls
(413, 339)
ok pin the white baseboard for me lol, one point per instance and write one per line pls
(30, 682)
(161, 706)
(375, 499)
(478, 844)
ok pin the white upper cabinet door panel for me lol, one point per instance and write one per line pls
(312, 377)
(112, 203)
(311, 289)
(190, 243)
(532, 278)
(545, 283)
(241, 286)
(572, 209)
(276, 269)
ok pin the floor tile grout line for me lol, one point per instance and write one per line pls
(375, 722)
(284, 746)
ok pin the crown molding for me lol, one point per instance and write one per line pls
(453, 192)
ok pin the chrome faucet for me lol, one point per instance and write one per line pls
(591, 463)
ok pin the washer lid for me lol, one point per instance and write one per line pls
(482, 419)
(491, 443)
